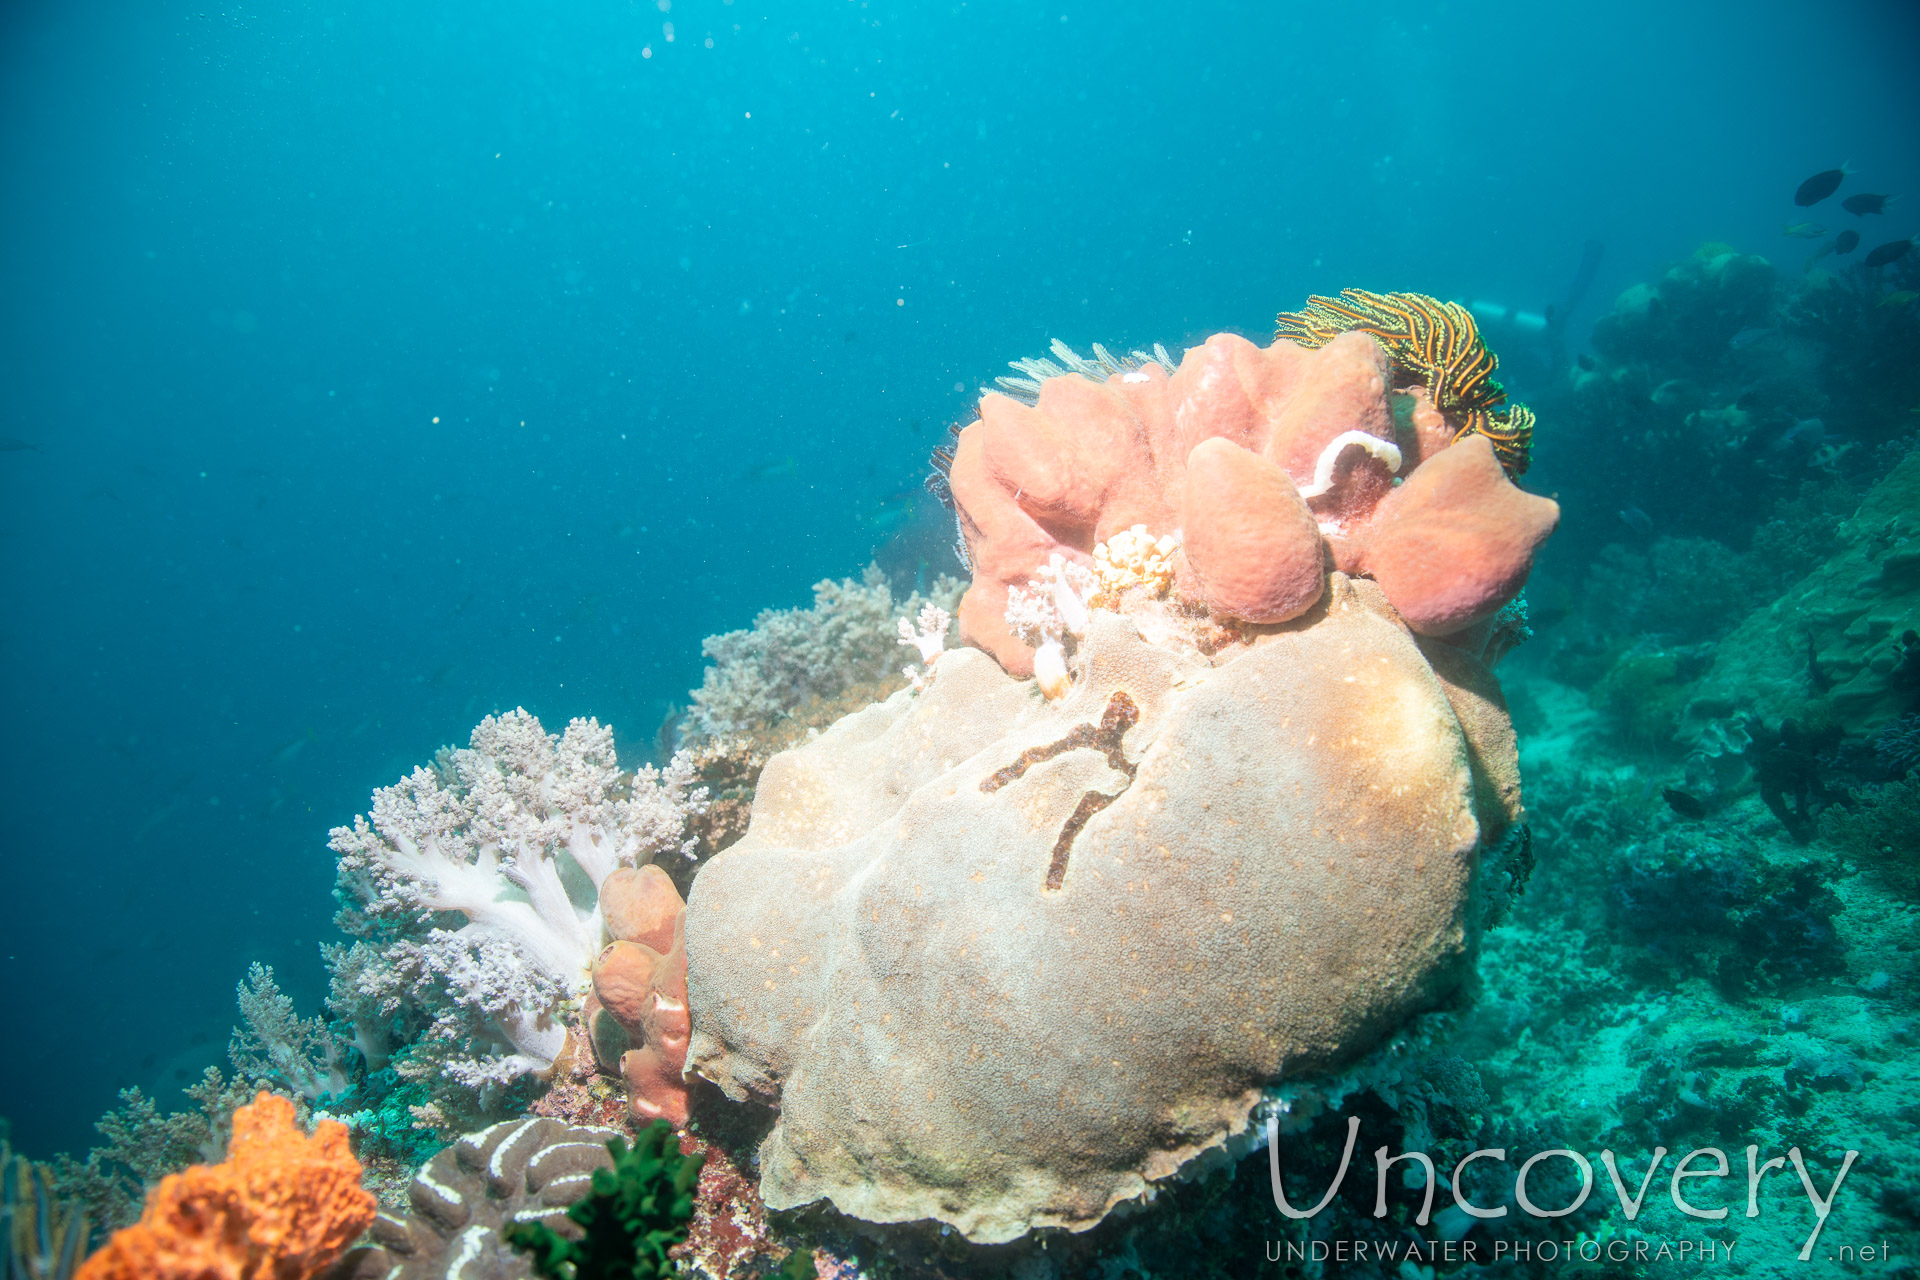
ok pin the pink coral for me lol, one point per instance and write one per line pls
(1276, 464)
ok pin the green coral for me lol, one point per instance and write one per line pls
(637, 1211)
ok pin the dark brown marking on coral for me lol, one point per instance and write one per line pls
(1121, 715)
(1090, 804)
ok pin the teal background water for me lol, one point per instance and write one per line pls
(375, 367)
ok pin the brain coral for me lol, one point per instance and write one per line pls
(1274, 463)
(1005, 962)
(530, 1170)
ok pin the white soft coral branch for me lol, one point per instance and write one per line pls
(1049, 608)
(515, 833)
(928, 635)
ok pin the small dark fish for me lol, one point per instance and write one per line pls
(1684, 804)
(1846, 242)
(1637, 520)
(1585, 361)
(1748, 336)
(1820, 186)
(1892, 251)
(9, 445)
(1863, 204)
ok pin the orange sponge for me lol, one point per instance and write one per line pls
(281, 1207)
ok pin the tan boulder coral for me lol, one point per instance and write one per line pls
(1006, 962)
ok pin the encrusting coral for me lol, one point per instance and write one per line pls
(512, 839)
(1272, 464)
(282, 1206)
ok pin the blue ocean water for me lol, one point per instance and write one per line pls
(373, 368)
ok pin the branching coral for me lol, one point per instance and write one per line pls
(278, 1045)
(509, 840)
(281, 1207)
(792, 658)
(141, 1146)
(1434, 344)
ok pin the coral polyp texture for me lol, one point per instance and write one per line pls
(282, 1206)
(475, 889)
(1367, 453)
(1005, 962)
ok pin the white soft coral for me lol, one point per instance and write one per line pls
(515, 833)
(928, 635)
(1052, 606)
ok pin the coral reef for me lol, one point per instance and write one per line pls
(1878, 828)
(1270, 462)
(301, 1055)
(800, 668)
(282, 1206)
(459, 1209)
(1747, 922)
(976, 995)
(511, 840)
(1717, 394)
(1833, 648)
(142, 1146)
(636, 1211)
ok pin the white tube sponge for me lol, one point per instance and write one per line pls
(1385, 450)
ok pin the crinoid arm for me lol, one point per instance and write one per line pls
(1433, 344)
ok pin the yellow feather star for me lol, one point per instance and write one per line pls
(1431, 342)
